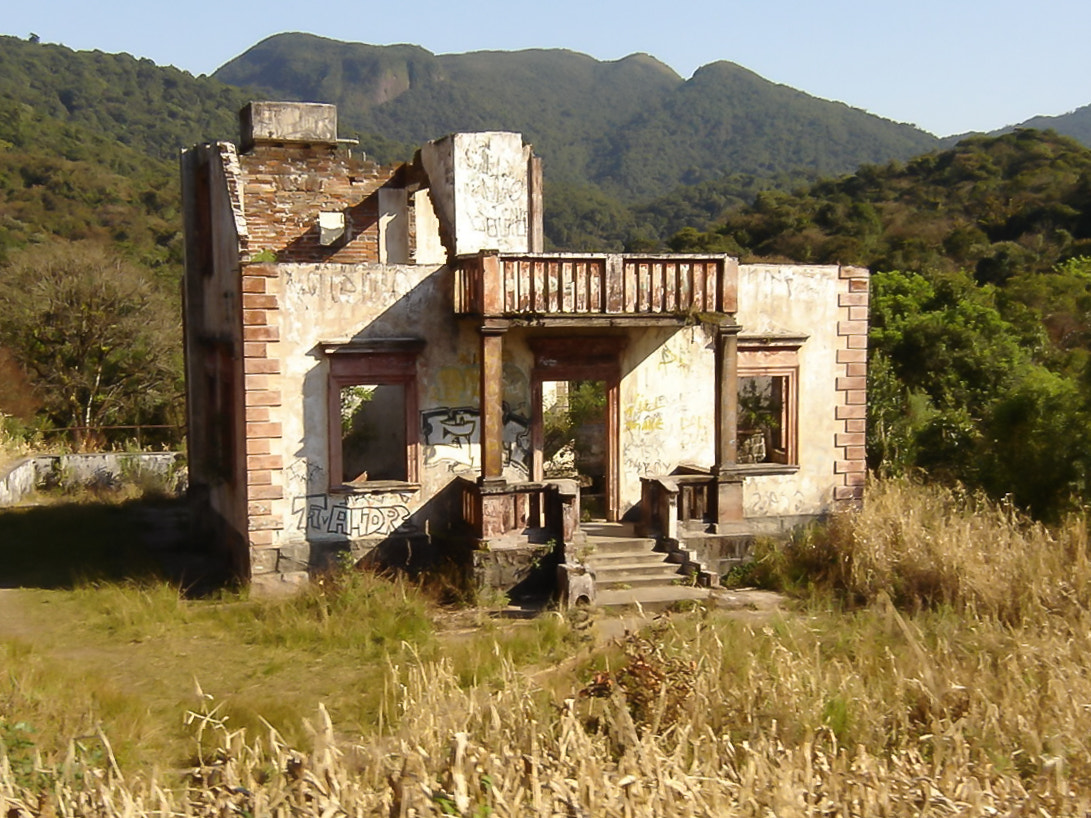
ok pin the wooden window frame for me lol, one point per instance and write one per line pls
(773, 357)
(384, 363)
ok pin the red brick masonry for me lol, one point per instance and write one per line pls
(851, 411)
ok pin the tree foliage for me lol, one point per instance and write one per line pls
(958, 389)
(996, 206)
(100, 344)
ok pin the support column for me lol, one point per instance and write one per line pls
(727, 396)
(492, 401)
(728, 481)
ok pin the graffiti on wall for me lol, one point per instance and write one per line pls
(302, 472)
(452, 435)
(764, 502)
(346, 285)
(353, 515)
(498, 194)
(645, 415)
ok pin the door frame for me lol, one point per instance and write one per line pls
(581, 358)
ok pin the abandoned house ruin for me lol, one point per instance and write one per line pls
(386, 360)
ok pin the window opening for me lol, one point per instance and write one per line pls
(764, 423)
(373, 425)
(373, 445)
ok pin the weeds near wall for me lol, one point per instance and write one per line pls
(925, 547)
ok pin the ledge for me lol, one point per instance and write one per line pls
(375, 487)
(760, 469)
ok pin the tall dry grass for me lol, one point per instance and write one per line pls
(969, 699)
(513, 751)
(925, 545)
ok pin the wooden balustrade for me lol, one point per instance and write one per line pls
(672, 504)
(493, 511)
(573, 285)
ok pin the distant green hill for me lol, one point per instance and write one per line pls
(88, 145)
(151, 108)
(1076, 124)
(632, 128)
(65, 181)
(993, 205)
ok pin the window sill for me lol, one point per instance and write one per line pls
(763, 469)
(375, 487)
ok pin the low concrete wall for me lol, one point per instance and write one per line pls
(18, 480)
(105, 470)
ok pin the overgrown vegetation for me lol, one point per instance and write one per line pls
(979, 311)
(99, 342)
(936, 665)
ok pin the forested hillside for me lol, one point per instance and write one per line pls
(151, 108)
(632, 128)
(980, 311)
(993, 205)
(1076, 124)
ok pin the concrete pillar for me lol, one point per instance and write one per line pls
(492, 401)
(728, 494)
(727, 395)
(535, 233)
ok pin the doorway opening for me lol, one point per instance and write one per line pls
(574, 439)
(582, 374)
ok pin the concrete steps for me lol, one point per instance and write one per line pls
(628, 570)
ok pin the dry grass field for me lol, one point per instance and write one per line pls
(935, 662)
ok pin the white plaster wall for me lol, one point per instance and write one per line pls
(667, 404)
(18, 480)
(429, 247)
(393, 226)
(802, 300)
(104, 469)
(343, 303)
(479, 184)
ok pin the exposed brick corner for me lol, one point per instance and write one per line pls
(850, 463)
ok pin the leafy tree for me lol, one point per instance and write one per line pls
(99, 342)
(1000, 206)
(958, 390)
(1035, 443)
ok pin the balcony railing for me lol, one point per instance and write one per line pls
(593, 285)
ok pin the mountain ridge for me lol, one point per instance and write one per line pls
(632, 127)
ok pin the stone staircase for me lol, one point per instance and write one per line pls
(628, 570)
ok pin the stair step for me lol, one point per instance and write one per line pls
(627, 556)
(629, 569)
(640, 581)
(614, 545)
(644, 567)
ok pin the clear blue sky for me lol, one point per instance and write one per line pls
(948, 66)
